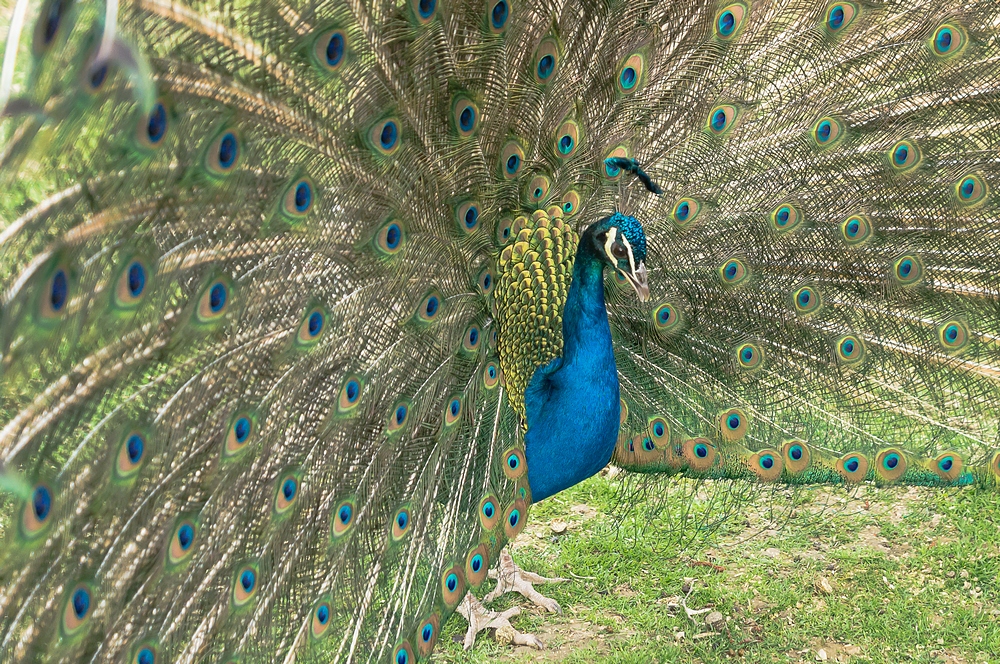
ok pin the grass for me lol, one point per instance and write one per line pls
(868, 575)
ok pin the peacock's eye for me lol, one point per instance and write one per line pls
(619, 250)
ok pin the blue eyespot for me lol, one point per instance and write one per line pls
(136, 279)
(451, 582)
(967, 187)
(852, 465)
(41, 503)
(400, 413)
(185, 535)
(719, 120)
(351, 390)
(134, 448)
(228, 150)
(727, 22)
(700, 450)
(393, 234)
(315, 324)
(455, 407)
(402, 520)
(156, 127)
(345, 514)
(628, 78)
(59, 290)
(477, 563)
(335, 49)
(900, 155)
(683, 210)
(289, 488)
(248, 579)
(303, 197)
(951, 333)
(402, 657)
(767, 462)
(242, 429)
(804, 298)
(323, 614)
(426, 8)
(432, 306)
(946, 464)
(823, 130)
(488, 510)
(733, 422)
(853, 227)
(796, 452)
(566, 144)
(387, 137)
(467, 118)
(891, 461)
(81, 603)
(515, 516)
(545, 66)
(658, 429)
(648, 445)
(847, 347)
(747, 355)
(943, 40)
(512, 461)
(611, 169)
(498, 17)
(836, 17)
(145, 656)
(471, 217)
(52, 20)
(217, 298)
(513, 164)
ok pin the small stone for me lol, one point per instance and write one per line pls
(771, 552)
(824, 586)
(558, 527)
(821, 655)
(715, 620)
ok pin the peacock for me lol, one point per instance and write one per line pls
(305, 302)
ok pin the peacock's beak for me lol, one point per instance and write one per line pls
(638, 281)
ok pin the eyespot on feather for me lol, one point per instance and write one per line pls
(827, 132)
(699, 454)
(853, 467)
(971, 190)
(151, 130)
(245, 584)
(471, 338)
(948, 466)
(401, 523)
(224, 153)
(666, 317)
(182, 541)
(839, 15)
(729, 20)
(286, 493)
(514, 465)
(659, 431)
(570, 203)
(467, 216)
(806, 300)
(427, 635)
(330, 49)
(398, 416)
(733, 272)
(311, 327)
(514, 518)
(796, 455)
(131, 456)
(503, 234)
(733, 425)
(298, 199)
(722, 118)
(766, 465)
(953, 336)
(491, 375)
(52, 18)
(890, 464)
(321, 619)
(146, 653)
(477, 564)
(611, 171)
(453, 410)
(546, 61)
(856, 229)
(630, 74)
(567, 140)
(489, 512)
(537, 191)
(238, 434)
(384, 136)
(464, 116)
(907, 270)
(749, 356)
(849, 350)
(55, 293)
(423, 10)
(429, 308)
(77, 609)
(37, 511)
(452, 586)
(390, 238)
(215, 300)
(685, 211)
(132, 283)
(343, 518)
(350, 394)
(511, 160)
(403, 654)
(948, 40)
(904, 156)
(786, 218)
(497, 15)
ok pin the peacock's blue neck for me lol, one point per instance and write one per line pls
(572, 402)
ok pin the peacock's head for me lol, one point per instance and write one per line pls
(621, 240)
